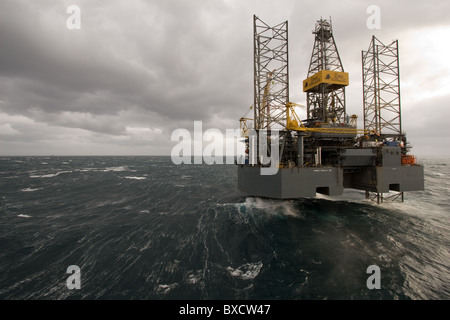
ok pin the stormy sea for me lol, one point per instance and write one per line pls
(143, 228)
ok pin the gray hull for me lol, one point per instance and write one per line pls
(306, 182)
(355, 173)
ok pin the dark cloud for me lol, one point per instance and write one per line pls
(137, 70)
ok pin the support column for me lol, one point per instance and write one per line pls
(300, 154)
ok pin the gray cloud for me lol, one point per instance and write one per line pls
(138, 70)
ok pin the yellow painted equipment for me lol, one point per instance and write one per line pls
(336, 78)
(294, 123)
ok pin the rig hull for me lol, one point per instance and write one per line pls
(306, 181)
(291, 183)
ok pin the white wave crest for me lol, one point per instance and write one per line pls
(165, 288)
(285, 207)
(30, 189)
(116, 169)
(247, 271)
(50, 175)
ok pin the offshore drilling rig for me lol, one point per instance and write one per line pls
(325, 152)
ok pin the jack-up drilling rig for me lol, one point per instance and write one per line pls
(326, 152)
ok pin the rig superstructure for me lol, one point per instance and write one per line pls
(326, 152)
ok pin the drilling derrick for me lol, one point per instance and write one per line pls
(325, 85)
(325, 153)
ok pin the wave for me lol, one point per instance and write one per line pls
(269, 206)
(49, 175)
(247, 271)
(107, 169)
(30, 189)
(165, 288)
(273, 206)
(136, 178)
(117, 169)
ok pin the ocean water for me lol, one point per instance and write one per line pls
(144, 228)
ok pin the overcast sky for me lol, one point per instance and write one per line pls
(137, 70)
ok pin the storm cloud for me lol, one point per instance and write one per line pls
(137, 70)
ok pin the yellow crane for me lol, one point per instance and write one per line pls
(294, 123)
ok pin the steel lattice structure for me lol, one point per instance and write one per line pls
(327, 103)
(271, 74)
(381, 89)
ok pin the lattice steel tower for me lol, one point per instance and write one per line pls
(381, 89)
(325, 92)
(271, 74)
